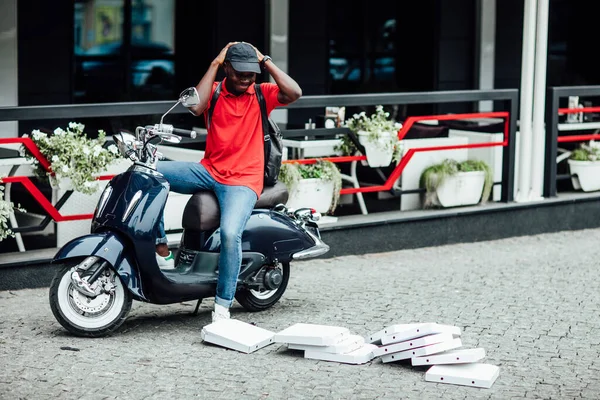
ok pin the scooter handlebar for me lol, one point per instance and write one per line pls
(171, 130)
(184, 132)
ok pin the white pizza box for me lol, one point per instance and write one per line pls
(472, 374)
(237, 335)
(422, 351)
(350, 343)
(361, 355)
(412, 344)
(312, 334)
(376, 337)
(461, 356)
(419, 330)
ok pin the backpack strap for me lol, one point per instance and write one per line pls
(213, 101)
(263, 109)
(265, 120)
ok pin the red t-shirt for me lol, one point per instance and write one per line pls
(235, 144)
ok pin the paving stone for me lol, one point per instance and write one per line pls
(513, 297)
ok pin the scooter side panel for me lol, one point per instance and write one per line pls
(270, 233)
(135, 207)
(134, 210)
(109, 247)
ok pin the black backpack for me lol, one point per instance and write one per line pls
(272, 135)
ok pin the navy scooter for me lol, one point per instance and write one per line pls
(103, 272)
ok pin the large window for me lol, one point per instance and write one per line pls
(362, 46)
(572, 32)
(124, 50)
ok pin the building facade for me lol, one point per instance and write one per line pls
(91, 51)
(106, 51)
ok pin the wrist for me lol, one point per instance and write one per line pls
(264, 61)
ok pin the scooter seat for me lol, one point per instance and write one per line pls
(202, 209)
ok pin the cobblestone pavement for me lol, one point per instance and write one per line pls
(530, 302)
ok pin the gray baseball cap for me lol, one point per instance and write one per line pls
(243, 58)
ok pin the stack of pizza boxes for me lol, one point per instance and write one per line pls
(432, 345)
(438, 346)
(326, 342)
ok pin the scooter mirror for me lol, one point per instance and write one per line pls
(189, 97)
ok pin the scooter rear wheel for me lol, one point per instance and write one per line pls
(89, 316)
(254, 300)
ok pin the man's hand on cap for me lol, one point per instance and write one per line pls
(221, 57)
(258, 53)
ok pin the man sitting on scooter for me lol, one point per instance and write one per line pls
(233, 164)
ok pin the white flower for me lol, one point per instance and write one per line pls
(36, 134)
(378, 122)
(86, 157)
(6, 208)
(113, 149)
(380, 129)
(76, 126)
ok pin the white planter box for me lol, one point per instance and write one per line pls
(77, 203)
(80, 203)
(380, 152)
(464, 188)
(311, 193)
(587, 175)
(491, 155)
(410, 177)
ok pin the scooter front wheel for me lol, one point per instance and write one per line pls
(89, 316)
(254, 300)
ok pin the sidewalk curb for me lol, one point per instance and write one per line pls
(460, 225)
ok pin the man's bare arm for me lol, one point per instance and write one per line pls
(205, 85)
(289, 90)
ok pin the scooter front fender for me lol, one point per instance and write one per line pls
(110, 247)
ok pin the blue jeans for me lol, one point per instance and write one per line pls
(236, 204)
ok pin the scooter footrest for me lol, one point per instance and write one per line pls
(191, 278)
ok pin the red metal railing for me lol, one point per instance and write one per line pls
(33, 190)
(578, 138)
(59, 217)
(411, 152)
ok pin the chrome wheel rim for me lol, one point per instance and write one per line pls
(87, 312)
(266, 294)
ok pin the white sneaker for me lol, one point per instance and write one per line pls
(220, 313)
(167, 262)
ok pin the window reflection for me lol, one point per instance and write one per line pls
(362, 47)
(113, 65)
